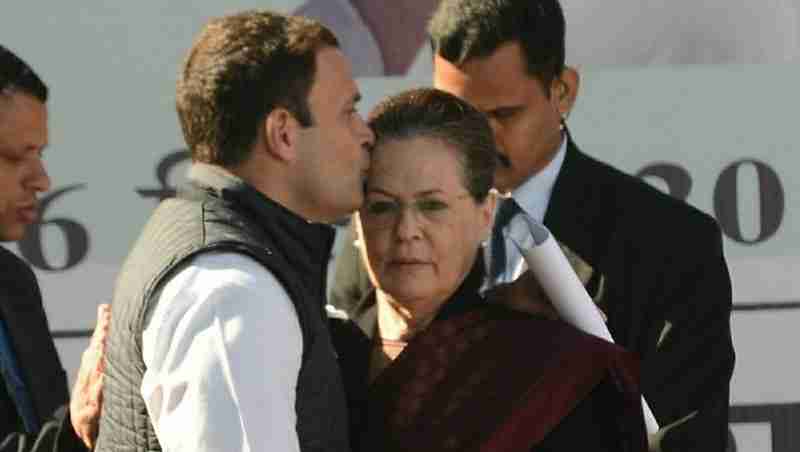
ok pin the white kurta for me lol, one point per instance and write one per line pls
(223, 350)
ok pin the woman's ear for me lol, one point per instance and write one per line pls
(280, 134)
(564, 91)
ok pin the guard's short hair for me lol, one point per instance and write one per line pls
(463, 29)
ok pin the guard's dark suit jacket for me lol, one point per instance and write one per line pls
(22, 311)
(661, 278)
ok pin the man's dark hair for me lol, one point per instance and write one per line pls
(435, 114)
(17, 77)
(463, 29)
(239, 69)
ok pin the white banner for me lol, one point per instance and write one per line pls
(718, 134)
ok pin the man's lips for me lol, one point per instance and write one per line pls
(28, 214)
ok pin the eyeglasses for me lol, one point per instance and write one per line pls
(384, 213)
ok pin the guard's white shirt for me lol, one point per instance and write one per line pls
(533, 197)
(223, 350)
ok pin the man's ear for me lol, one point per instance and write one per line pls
(564, 91)
(487, 213)
(280, 134)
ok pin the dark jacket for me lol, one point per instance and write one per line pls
(666, 291)
(22, 311)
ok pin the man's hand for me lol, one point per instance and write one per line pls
(87, 394)
(525, 294)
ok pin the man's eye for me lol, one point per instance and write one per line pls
(11, 158)
(503, 113)
(380, 207)
(431, 205)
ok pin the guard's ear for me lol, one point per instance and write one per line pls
(564, 91)
(280, 133)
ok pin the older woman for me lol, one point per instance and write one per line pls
(431, 366)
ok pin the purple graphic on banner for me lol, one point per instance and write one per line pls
(380, 39)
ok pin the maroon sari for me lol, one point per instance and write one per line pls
(490, 379)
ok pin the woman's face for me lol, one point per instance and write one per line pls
(421, 227)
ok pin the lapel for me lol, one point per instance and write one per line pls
(22, 311)
(575, 209)
(577, 216)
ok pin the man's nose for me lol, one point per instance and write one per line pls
(38, 179)
(367, 136)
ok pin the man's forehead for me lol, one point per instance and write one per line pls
(17, 104)
(6, 107)
(23, 122)
(333, 80)
(483, 92)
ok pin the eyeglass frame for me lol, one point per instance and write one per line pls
(430, 214)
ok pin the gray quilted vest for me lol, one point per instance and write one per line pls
(219, 212)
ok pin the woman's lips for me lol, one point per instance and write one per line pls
(408, 262)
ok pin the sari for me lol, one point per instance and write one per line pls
(481, 377)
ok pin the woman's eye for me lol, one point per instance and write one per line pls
(380, 207)
(431, 205)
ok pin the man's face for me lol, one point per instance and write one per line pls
(334, 150)
(23, 136)
(524, 116)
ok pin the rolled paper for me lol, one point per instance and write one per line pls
(565, 291)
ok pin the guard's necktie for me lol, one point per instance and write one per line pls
(507, 210)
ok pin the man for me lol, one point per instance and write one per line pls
(220, 340)
(657, 267)
(34, 387)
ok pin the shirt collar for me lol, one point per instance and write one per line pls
(533, 196)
